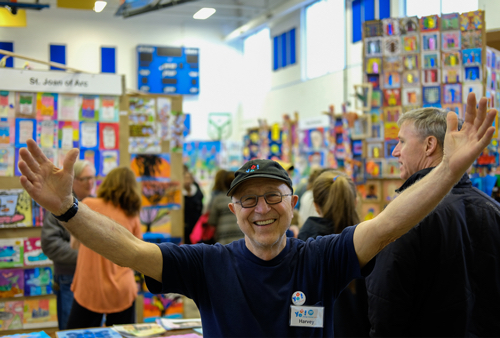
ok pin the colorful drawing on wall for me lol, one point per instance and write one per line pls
(391, 169)
(7, 155)
(473, 74)
(25, 105)
(369, 211)
(411, 78)
(92, 156)
(431, 77)
(376, 98)
(68, 134)
(451, 40)
(430, 42)
(25, 129)
(472, 56)
(109, 136)
(475, 88)
(7, 131)
(15, 208)
(472, 39)
(452, 93)
(457, 108)
(377, 132)
(143, 109)
(371, 191)
(165, 306)
(389, 148)
(89, 135)
(373, 28)
(391, 26)
(392, 97)
(177, 131)
(391, 80)
(391, 114)
(411, 96)
(108, 110)
(11, 283)
(46, 106)
(391, 46)
(161, 194)
(164, 109)
(451, 59)
(430, 60)
(389, 188)
(472, 21)
(37, 213)
(7, 102)
(89, 110)
(408, 25)
(147, 129)
(11, 252)
(144, 145)
(373, 65)
(375, 149)
(68, 107)
(431, 96)
(373, 46)
(11, 315)
(429, 23)
(33, 254)
(47, 134)
(155, 220)
(374, 168)
(411, 62)
(109, 160)
(450, 22)
(38, 281)
(392, 64)
(376, 115)
(410, 43)
(452, 75)
(151, 166)
(314, 139)
(40, 313)
(391, 131)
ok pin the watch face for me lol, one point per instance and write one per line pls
(70, 213)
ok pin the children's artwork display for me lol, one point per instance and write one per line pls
(11, 315)
(16, 209)
(11, 252)
(38, 281)
(11, 283)
(33, 254)
(103, 332)
(39, 313)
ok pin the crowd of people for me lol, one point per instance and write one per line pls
(428, 265)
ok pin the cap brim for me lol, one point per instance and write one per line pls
(257, 176)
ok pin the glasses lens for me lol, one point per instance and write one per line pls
(86, 179)
(273, 197)
(249, 201)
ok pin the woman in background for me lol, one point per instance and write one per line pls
(334, 197)
(100, 286)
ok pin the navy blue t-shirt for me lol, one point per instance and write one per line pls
(240, 295)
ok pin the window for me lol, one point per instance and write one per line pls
(324, 37)
(429, 7)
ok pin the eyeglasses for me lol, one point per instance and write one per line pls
(273, 197)
(85, 179)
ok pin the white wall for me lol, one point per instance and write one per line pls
(84, 32)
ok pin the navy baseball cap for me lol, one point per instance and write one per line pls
(260, 168)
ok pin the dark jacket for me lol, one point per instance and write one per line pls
(442, 278)
(193, 206)
(350, 311)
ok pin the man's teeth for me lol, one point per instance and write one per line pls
(265, 222)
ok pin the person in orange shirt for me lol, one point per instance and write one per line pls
(100, 286)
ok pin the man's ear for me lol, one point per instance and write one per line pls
(295, 200)
(431, 145)
(231, 207)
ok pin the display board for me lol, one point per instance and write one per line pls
(168, 70)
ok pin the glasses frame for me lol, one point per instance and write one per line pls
(86, 178)
(265, 199)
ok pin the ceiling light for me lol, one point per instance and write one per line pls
(99, 6)
(204, 13)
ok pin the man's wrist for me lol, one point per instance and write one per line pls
(69, 211)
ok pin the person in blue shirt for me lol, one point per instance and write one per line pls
(265, 284)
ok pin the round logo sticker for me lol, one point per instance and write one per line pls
(298, 298)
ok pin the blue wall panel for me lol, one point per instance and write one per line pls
(8, 46)
(384, 9)
(283, 50)
(108, 60)
(369, 9)
(276, 63)
(356, 20)
(292, 47)
(57, 54)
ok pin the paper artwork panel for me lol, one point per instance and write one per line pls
(430, 60)
(451, 40)
(392, 80)
(389, 188)
(429, 23)
(372, 191)
(393, 64)
(91, 155)
(109, 111)
(430, 42)
(7, 102)
(373, 65)
(177, 132)
(15, 208)
(25, 129)
(475, 88)
(472, 21)
(409, 25)
(25, 105)
(392, 46)
(452, 93)
(151, 166)
(451, 59)
(373, 28)
(47, 134)
(7, 131)
(369, 211)
(11, 253)
(391, 26)
(33, 254)
(46, 106)
(452, 75)
(89, 135)
(412, 96)
(457, 108)
(149, 145)
(375, 149)
(103, 332)
(40, 313)
(472, 39)
(373, 46)
(68, 134)
(410, 43)
(374, 168)
(89, 109)
(411, 78)
(431, 96)
(110, 159)
(164, 109)
(11, 283)
(109, 135)
(161, 194)
(68, 107)
(11, 315)
(450, 22)
(411, 62)
(431, 77)
(156, 220)
(392, 97)
(38, 281)
(7, 155)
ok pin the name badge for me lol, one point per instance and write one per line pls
(306, 316)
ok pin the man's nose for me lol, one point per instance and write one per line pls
(262, 207)
(395, 151)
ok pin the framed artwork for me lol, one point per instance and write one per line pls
(389, 188)
(452, 93)
(430, 42)
(391, 169)
(376, 98)
(374, 80)
(411, 78)
(450, 22)
(370, 210)
(389, 148)
(411, 62)
(392, 97)
(391, 80)
(490, 79)
(430, 60)
(490, 95)
(362, 127)
(411, 96)
(373, 66)
(408, 25)
(391, 131)
(451, 40)
(476, 88)
(373, 46)
(472, 56)
(393, 64)
(363, 95)
(391, 46)
(391, 26)
(377, 132)
(375, 149)
(472, 39)
(472, 20)
(431, 77)
(357, 147)
(410, 43)
(374, 168)
(431, 96)
(429, 23)
(373, 28)
(473, 73)
(391, 114)
(490, 58)
(358, 170)
(451, 59)
(452, 75)
(372, 191)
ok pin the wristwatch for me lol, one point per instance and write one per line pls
(70, 213)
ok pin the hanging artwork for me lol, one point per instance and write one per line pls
(450, 22)
(164, 109)
(373, 65)
(39, 313)
(25, 130)
(410, 44)
(46, 106)
(373, 28)
(412, 96)
(430, 42)
(457, 108)
(109, 160)
(430, 60)
(472, 39)
(452, 93)
(109, 136)
(25, 105)
(472, 20)
(391, 46)
(7, 131)
(431, 77)
(411, 62)
(16, 208)
(47, 134)
(89, 135)
(473, 74)
(11, 283)
(12, 315)
(391, 26)
(452, 75)
(391, 114)
(7, 155)
(409, 25)
(109, 109)
(89, 110)
(151, 166)
(373, 47)
(33, 254)
(11, 252)
(156, 220)
(429, 23)
(391, 80)
(38, 281)
(431, 96)
(161, 194)
(476, 88)
(7, 102)
(392, 97)
(451, 40)
(68, 134)
(68, 107)
(411, 78)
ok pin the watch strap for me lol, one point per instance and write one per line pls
(70, 213)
